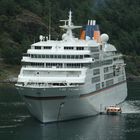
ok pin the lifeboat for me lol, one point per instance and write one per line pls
(113, 110)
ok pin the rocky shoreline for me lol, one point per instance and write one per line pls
(9, 80)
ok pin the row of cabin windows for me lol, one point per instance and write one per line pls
(72, 48)
(95, 56)
(96, 71)
(51, 84)
(65, 48)
(45, 47)
(102, 85)
(101, 63)
(93, 49)
(60, 56)
(57, 65)
(107, 62)
(95, 79)
(108, 76)
(107, 69)
(116, 71)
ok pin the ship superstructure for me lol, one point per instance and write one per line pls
(72, 78)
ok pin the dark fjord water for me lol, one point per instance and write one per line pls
(17, 124)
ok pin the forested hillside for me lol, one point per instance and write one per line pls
(22, 21)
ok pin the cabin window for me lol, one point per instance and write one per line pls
(96, 79)
(47, 56)
(96, 71)
(64, 56)
(37, 64)
(32, 56)
(39, 56)
(107, 62)
(75, 65)
(38, 47)
(108, 76)
(51, 56)
(106, 69)
(79, 48)
(94, 49)
(95, 56)
(43, 56)
(98, 86)
(86, 56)
(109, 82)
(68, 48)
(47, 47)
(58, 65)
(103, 84)
(35, 55)
(95, 64)
(59, 56)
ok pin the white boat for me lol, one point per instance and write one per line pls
(72, 78)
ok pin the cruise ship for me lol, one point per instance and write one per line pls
(73, 77)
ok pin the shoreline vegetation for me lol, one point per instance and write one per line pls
(8, 73)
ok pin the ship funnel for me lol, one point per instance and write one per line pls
(93, 22)
(91, 31)
(96, 35)
(83, 34)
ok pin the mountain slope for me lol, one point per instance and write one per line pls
(21, 22)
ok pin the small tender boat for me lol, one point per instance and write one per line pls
(113, 110)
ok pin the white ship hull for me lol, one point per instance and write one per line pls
(55, 104)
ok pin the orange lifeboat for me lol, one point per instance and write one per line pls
(113, 110)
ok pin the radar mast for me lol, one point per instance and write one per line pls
(69, 27)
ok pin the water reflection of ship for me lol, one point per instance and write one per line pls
(101, 127)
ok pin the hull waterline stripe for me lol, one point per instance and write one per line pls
(44, 98)
(95, 92)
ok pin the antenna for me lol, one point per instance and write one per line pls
(69, 27)
(65, 21)
(70, 18)
(50, 23)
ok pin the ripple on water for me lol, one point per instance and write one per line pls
(130, 106)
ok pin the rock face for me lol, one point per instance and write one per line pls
(28, 22)
(27, 17)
